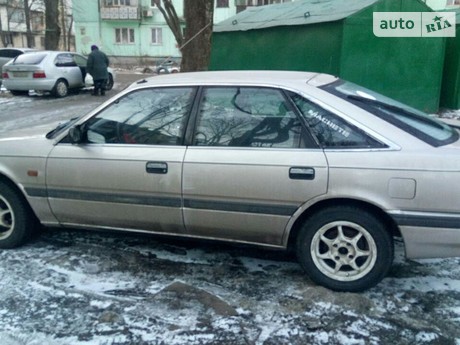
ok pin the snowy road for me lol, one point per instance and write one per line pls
(86, 288)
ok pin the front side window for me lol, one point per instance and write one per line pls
(246, 117)
(157, 36)
(143, 117)
(124, 36)
(80, 60)
(330, 130)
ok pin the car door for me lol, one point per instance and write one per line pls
(127, 173)
(67, 68)
(251, 165)
(81, 63)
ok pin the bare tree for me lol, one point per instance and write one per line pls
(12, 8)
(195, 45)
(2, 34)
(65, 26)
(19, 12)
(53, 31)
(29, 35)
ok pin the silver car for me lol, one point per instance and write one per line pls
(285, 160)
(47, 71)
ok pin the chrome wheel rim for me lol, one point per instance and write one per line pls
(61, 89)
(343, 251)
(6, 218)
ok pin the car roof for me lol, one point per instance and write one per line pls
(36, 51)
(20, 49)
(248, 77)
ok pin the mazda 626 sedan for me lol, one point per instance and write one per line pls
(272, 158)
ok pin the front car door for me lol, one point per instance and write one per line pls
(67, 68)
(251, 165)
(127, 174)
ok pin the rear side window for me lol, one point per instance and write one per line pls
(29, 59)
(246, 117)
(330, 130)
(65, 60)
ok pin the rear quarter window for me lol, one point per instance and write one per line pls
(331, 131)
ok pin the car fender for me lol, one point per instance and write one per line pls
(25, 172)
(321, 201)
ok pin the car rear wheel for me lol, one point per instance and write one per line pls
(109, 84)
(345, 249)
(16, 219)
(61, 89)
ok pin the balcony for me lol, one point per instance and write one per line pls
(120, 13)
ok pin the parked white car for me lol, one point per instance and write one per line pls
(285, 160)
(48, 71)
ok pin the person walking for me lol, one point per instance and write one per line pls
(97, 65)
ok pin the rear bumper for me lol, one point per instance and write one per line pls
(29, 84)
(429, 235)
(423, 243)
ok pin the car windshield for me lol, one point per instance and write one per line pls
(29, 59)
(411, 120)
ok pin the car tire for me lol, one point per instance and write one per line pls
(19, 93)
(109, 84)
(61, 89)
(16, 219)
(345, 249)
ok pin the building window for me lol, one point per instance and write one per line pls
(157, 36)
(109, 3)
(8, 39)
(222, 3)
(16, 15)
(124, 36)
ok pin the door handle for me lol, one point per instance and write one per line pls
(302, 173)
(156, 167)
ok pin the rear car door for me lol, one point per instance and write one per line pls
(251, 165)
(128, 173)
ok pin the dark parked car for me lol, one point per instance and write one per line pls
(7, 54)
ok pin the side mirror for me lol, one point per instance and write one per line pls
(76, 135)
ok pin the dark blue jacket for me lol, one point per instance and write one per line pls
(97, 65)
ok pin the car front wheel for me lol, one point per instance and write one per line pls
(345, 249)
(61, 89)
(16, 220)
(110, 83)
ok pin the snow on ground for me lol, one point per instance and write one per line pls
(84, 288)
